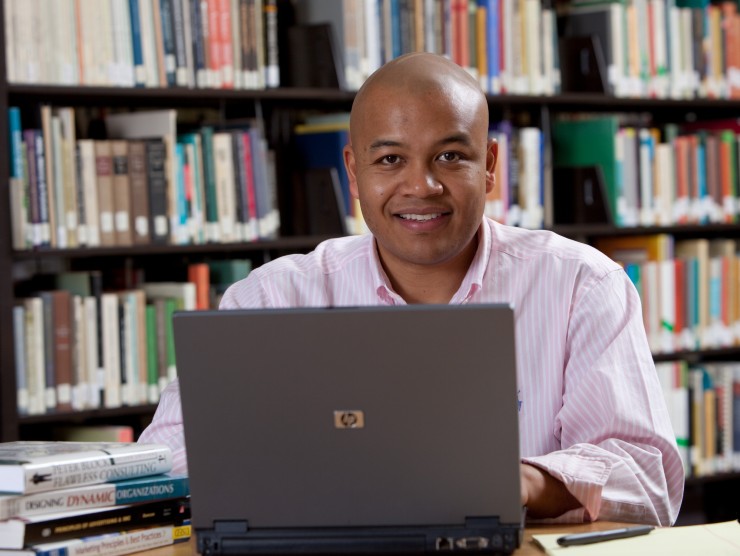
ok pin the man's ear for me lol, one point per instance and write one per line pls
(351, 165)
(491, 160)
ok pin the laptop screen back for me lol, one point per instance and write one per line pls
(374, 416)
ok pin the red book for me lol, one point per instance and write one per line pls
(198, 274)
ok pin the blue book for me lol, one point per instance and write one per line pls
(138, 53)
(324, 150)
(493, 36)
(16, 142)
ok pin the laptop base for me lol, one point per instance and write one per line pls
(478, 535)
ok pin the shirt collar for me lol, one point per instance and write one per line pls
(472, 282)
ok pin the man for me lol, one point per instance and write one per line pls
(596, 441)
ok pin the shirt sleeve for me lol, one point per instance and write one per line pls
(618, 453)
(166, 426)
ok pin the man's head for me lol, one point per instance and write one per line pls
(420, 160)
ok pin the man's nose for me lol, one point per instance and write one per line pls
(421, 181)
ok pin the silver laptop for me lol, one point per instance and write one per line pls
(363, 429)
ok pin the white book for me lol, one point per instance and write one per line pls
(122, 43)
(90, 188)
(652, 300)
(117, 544)
(27, 466)
(111, 350)
(225, 194)
(372, 34)
(79, 354)
(35, 358)
(11, 40)
(530, 181)
(665, 180)
(93, 373)
(21, 368)
(148, 43)
(533, 39)
(667, 340)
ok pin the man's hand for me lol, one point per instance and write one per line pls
(543, 494)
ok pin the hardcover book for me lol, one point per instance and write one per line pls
(130, 491)
(20, 532)
(35, 466)
(114, 544)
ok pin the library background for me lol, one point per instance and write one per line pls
(157, 150)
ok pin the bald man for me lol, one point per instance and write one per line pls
(596, 441)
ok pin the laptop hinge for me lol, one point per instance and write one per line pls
(230, 526)
(482, 522)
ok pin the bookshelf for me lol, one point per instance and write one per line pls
(279, 109)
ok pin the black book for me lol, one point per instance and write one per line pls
(156, 156)
(19, 532)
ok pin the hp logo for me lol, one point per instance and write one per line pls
(349, 419)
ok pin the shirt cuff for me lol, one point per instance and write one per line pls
(583, 476)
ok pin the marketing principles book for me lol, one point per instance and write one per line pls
(28, 467)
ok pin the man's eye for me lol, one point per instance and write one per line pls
(389, 159)
(449, 157)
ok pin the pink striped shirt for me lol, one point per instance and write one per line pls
(592, 411)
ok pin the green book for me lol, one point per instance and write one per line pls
(590, 142)
(152, 356)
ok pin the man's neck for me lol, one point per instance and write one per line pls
(429, 284)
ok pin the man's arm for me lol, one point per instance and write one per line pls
(618, 455)
(544, 495)
(166, 427)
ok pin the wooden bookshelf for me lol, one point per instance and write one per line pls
(278, 109)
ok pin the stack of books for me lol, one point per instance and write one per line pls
(68, 498)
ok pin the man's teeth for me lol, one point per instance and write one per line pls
(420, 217)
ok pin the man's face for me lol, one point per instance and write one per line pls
(421, 165)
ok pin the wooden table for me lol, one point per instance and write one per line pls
(528, 548)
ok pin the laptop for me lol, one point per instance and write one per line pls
(351, 430)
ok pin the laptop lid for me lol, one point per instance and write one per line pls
(350, 417)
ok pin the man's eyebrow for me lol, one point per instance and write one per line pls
(381, 143)
(462, 138)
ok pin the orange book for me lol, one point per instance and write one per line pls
(682, 174)
(637, 249)
(731, 28)
(198, 274)
(213, 45)
(227, 53)
(680, 286)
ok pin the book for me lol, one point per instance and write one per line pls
(590, 142)
(19, 532)
(36, 466)
(130, 491)
(112, 544)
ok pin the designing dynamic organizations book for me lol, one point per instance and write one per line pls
(67, 498)
(28, 467)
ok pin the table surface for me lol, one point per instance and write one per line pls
(528, 548)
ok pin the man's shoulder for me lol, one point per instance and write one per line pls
(329, 256)
(526, 244)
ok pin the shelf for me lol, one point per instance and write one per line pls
(84, 415)
(715, 478)
(111, 96)
(280, 244)
(601, 230)
(719, 353)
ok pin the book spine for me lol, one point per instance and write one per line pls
(156, 153)
(178, 29)
(139, 192)
(166, 8)
(138, 55)
(99, 468)
(121, 543)
(21, 370)
(121, 193)
(119, 519)
(96, 496)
